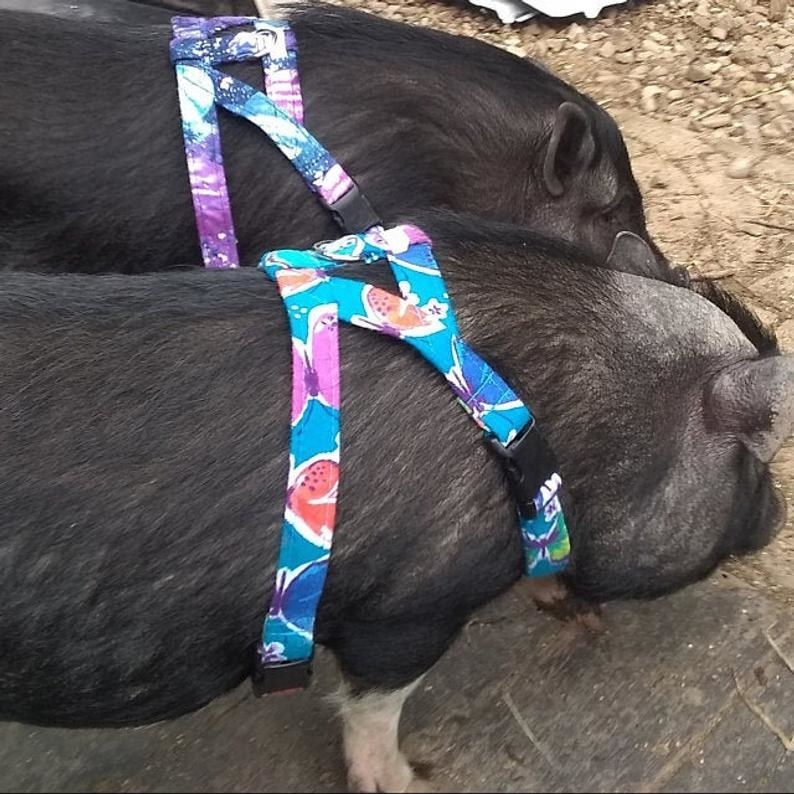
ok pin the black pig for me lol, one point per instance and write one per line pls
(139, 11)
(92, 167)
(144, 424)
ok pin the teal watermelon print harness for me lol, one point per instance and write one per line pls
(316, 300)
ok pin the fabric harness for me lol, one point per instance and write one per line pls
(316, 300)
(197, 47)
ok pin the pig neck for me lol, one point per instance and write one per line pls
(542, 331)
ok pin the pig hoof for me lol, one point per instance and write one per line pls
(572, 610)
(553, 597)
(590, 617)
(423, 769)
(370, 721)
(419, 784)
(394, 775)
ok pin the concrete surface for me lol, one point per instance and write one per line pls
(657, 702)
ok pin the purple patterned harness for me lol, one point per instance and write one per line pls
(197, 47)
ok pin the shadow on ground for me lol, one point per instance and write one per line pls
(658, 702)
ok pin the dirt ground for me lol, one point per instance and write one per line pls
(704, 95)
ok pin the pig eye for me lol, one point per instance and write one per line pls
(611, 214)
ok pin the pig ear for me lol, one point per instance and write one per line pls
(755, 401)
(571, 148)
(631, 254)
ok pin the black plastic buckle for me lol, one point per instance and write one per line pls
(353, 212)
(285, 677)
(528, 462)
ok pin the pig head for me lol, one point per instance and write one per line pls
(666, 424)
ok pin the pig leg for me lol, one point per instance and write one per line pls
(371, 721)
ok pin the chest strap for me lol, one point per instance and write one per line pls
(197, 47)
(421, 316)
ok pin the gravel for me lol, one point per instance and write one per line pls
(733, 57)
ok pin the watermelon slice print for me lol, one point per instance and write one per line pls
(311, 499)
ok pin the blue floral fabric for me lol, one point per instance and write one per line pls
(422, 316)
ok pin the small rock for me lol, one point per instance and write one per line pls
(719, 33)
(625, 57)
(786, 101)
(697, 74)
(777, 10)
(749, 229)
(768, 318)
(606, 50)
(741, 168)
(773, 130)
(649, 99)
(623, 43)
(751, 122)
(785, 333)
(776, 58)
(675, 93)
(608, 78)
(703, 21)
(649, 45)
(747, 51)
(658, 37)
(747, 87)
(716, 121)
(735, 72)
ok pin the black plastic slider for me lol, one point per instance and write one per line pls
(353, 212)
(528, 462)
(280, 677)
